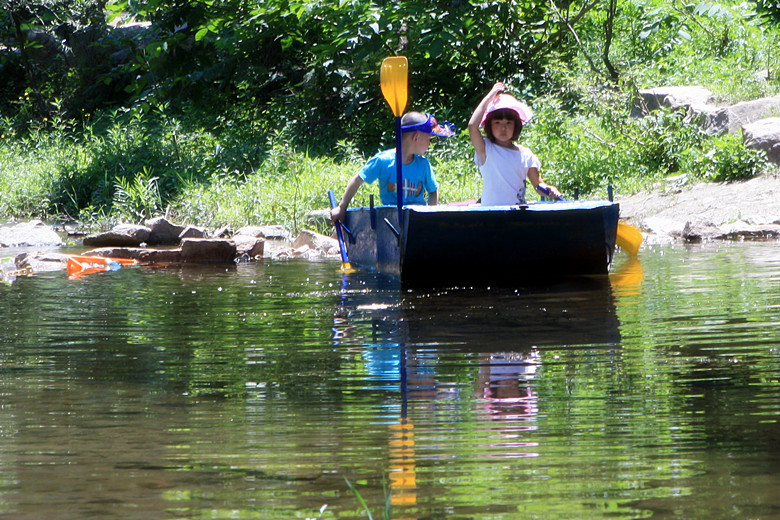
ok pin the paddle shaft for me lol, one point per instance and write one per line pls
(342, 246)
(393, 78)
(399, 187)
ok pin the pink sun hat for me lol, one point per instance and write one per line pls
(523, 111)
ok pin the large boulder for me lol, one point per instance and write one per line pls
(269, 232)
(731, 119)
(764, 135)
(193, 250)
(253, 247)
(29, 234)
(696, 98)
(309, 243)
(276, 239)
(193, 232)
(123, 235)
(163, 232)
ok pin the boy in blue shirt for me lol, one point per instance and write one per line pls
(418, 178)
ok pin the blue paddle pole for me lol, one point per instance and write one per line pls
(399, 187)
(346, 267)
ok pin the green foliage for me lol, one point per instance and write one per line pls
(137, 199)
(769, 10)
(269, 104)
(284, 190)
(728, 159)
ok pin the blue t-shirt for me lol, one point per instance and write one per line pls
(418, 178)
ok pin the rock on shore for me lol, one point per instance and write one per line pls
(747, 210)
(29, 234)
(180, 244)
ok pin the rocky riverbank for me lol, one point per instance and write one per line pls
(676, 211)
(744, 210)
(34, 246)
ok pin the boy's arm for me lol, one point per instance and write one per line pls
(433, 198)
(476, 118)
(340, 211)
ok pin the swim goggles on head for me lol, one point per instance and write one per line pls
(430, 126)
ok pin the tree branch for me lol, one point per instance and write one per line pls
(557, 34)
(576, 38)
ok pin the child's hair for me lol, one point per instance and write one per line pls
(413, 118)
(503, 113)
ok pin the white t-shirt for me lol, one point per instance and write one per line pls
(504, 174)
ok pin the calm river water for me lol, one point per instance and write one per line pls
(258, 391)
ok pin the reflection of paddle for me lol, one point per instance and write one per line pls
(346, 267)
(628, 237)
(393, 79)
(403, 466)
(628, 276)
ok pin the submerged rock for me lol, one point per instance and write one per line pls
(208, 250)
(41, 262)
(192, 250)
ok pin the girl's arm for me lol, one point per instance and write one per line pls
(476, 119)
(547, 190)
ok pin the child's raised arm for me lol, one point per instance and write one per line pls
(476, 119)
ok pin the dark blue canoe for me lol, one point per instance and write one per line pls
(475, 244)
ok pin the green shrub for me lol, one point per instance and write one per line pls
(727, 159)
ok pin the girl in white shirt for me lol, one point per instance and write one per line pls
(504, 165)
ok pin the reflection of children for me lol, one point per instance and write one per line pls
(418, 178)
(504, 165)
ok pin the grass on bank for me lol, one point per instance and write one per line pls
(128, 166)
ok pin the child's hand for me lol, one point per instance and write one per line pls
(549, 191)
(336, 215)
(497, 89)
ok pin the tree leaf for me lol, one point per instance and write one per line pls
(201, 34)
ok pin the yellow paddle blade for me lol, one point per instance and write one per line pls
(629, 238)
(393, 79)
(347, 268)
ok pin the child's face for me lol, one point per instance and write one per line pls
(422, 142)
(502, 129)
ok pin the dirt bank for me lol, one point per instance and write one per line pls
(664, 214)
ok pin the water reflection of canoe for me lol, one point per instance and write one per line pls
(462, 244)
(573, 312)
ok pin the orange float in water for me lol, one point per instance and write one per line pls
(79, 265)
